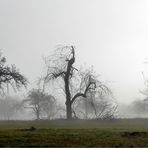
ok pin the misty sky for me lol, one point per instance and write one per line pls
(111, 35)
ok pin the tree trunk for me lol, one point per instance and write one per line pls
(68, 111)
(67, 90)
(37, 115)
(68, 95)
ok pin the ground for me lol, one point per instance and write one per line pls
(76, 133)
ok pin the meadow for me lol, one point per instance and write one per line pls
(74, 133)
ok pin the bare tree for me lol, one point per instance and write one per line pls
(144, 92)
(61, 65)
(9, 75)
(39, 102)
(96, 106)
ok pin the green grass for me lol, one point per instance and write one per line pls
(78, 133)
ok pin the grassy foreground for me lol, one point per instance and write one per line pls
(61, 133)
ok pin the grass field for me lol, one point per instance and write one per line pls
(76, 133)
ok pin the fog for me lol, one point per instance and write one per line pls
(9, 110)
(109, 35)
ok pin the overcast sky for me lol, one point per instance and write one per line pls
(111, 35)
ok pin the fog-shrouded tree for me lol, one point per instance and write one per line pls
(144, 92)
(40, 103)
(10, 108)
(49, 107)
(10, 75)
(140, 107)
(76, 84)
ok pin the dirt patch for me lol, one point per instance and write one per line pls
(135, 134)
(32, 128)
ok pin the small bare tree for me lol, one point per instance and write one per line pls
(61, 65)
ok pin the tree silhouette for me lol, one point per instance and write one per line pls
(61, 65)
(10, 75)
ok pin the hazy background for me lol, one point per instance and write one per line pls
(111, 35)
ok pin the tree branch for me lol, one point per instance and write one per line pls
(88, 87)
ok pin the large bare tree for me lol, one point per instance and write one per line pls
(61, 65)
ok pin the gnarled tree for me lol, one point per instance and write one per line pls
(61, 65)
